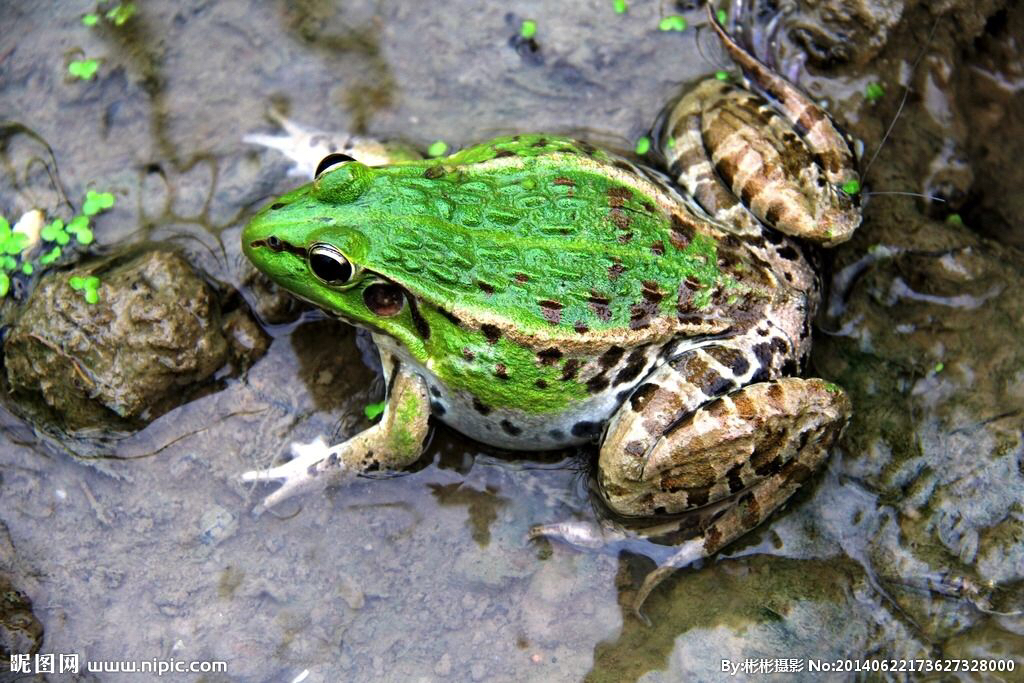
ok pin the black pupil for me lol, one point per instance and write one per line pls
(331, 160)
(330, 267)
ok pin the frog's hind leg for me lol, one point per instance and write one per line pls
(393, 443)
(761, 442)
(823, 137)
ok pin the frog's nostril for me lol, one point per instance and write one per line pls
(277, 205)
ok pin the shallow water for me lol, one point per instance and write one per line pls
(150, 551)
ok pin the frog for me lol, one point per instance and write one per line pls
(536, 292)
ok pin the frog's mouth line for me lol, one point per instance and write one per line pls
(277, 244)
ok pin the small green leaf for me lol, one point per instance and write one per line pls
(121, 13)
(49, 257)
(84, 236)
(27, 268)
(8, 263)
(722, 16)
(373, 410)
(939, 367)
(76, 282)
(873, 92)
(77, 223)
(90, 19)
(672, 23)
(528, 29)
(620, 6)
(84, 69)
(91, 282)
(437, 149)
(91, 296)
(15, 243)
(50, 232)
(5, 284)
(5, 229)
(670, 143)
(62, 238)
(722, 75)
(96, 202)
(955, 220)
(643, 145)
(851, 187)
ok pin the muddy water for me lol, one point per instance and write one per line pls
(149, 551)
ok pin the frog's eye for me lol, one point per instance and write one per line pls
(329, 264)
(329, 162)
(384, 299)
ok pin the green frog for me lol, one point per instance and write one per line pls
(536, 292)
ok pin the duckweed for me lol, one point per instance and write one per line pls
(84, 69)
(437, 149)
(672, 23)
(528, 29)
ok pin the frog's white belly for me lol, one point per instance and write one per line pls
(581, 422)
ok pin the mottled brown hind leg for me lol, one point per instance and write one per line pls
(767, 439)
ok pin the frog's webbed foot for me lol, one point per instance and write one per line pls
(309, 462)
(393, 443)
(306, 148)
(578, 533)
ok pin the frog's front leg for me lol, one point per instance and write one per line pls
(393, 443)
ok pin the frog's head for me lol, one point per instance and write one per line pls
(315, 241)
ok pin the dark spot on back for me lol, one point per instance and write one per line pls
(500, 371)
(581, 327)
(541, 384)
(491, 333)
(658, 248)
(681, 232)
(549, 356)
(434, 172)
(504, 153)
(597, 383)
(570, 369)
(618, 196)
(599, 304)
(551, 311)
(480, 407)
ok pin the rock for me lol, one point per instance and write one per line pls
(217, 525)
(145, 346)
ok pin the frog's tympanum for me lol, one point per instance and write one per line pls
(535, 292)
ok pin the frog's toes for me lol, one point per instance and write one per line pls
(580, 534)
(298, 474)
